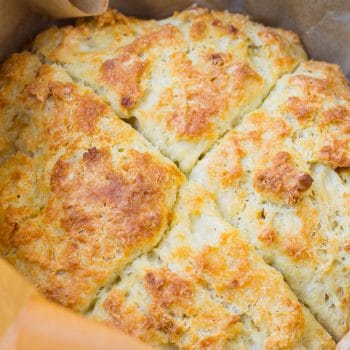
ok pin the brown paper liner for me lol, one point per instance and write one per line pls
(71, 8)
(29, 322)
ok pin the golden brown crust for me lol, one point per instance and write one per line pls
(267, 235)
(14, 74)
(88, 109)
(302, 109)
(84, 194)
(159, 326)
(206, 94)
(166, 288)
(124, 72)
(109, 18)
(282, 177)
(131, 202)
(336, 153)
(231, 170)
(121, 317)
(282, 181)
(206, 290)
(90, 197)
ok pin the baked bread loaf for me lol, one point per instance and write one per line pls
(97, 212)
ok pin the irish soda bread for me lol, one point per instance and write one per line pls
(185, 180)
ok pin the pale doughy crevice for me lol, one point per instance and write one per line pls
(238, 121)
